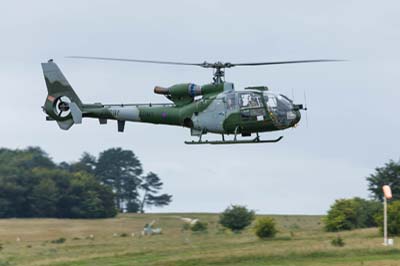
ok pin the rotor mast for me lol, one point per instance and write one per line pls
(219, 73)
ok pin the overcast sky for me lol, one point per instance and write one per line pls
(353, 117)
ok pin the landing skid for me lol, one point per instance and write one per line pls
(217, 142)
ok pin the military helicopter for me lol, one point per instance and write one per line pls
(211, 108)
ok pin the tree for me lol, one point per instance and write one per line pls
(34, 157)
(32, 185)
(393, 217)
(151, 184)
(13, 201)
(387, 175)
(367, 211)
(348, 214)
(45, 197)
(86, 163)
(236, 217)
(86, 198)
(13, 161)
(17, 180)
(121, 170)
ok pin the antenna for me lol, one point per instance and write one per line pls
(305, 107)
(293, 95)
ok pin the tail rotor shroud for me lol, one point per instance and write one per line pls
(62, 106)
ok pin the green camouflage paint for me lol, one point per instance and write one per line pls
(210, 110)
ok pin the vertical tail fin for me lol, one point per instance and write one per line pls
(57, 84)
(62, 103)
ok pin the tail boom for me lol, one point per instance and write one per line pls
(63, 105)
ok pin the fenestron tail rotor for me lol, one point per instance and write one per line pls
(62, 106)
(219, 67)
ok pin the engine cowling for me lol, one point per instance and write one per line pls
(180, 90)
(182, 94)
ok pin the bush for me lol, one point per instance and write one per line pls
(199, 227)
(337, 242)
(185, 226)
(348, 214)
(236, 217)
(265, 227)
(59, 240)
(393, 218)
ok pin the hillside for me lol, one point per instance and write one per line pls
(118, 241)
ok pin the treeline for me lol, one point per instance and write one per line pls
(33, 185)
(348, 214)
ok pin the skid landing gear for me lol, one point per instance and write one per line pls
(234, 141)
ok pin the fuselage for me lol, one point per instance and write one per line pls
(226, 112)
(214, 107)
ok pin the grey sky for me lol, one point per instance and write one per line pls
(353, 123)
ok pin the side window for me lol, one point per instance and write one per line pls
(244, 100)
(231, 102)
(250, 100)
(251, 105)
(255, 101)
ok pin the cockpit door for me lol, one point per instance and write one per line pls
(251, 106)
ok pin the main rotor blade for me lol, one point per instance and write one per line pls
(283, 62)
(137, 60)
(205, 64)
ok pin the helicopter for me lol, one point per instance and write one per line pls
(211, 108)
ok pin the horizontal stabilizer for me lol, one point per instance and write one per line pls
(65, 125)
(76, 113)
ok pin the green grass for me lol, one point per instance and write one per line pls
(300, 241)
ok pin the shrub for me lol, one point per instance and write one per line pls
(393, 218)
(185, 226)
(59, 240)
(348, 214)
(199, 227)
(236, 217)
(265, 227)
(123, 235)
(337, 242)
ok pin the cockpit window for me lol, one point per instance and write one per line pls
(271, 101)
(250, 100)
(277, 101)
(285, 101)
(280, 108)
(286, 97)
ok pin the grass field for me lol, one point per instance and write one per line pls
(300, 241)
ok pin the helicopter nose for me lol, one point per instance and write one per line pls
(297, 119)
